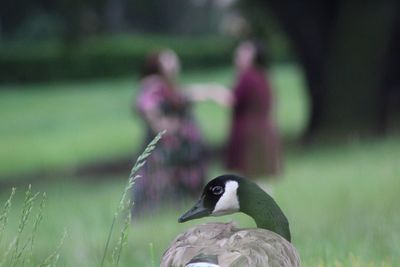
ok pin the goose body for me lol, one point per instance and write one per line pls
(224, 245)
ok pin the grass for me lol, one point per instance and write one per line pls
(125, 205)
(19, 251)
(342, 202)
(53, 126)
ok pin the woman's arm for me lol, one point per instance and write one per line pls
(211, 91)
(149, 105)
(159, 122)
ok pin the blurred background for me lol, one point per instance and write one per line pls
(69, 73)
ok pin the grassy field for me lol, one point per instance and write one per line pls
(341, 200)
(47, 127)
(342, 203)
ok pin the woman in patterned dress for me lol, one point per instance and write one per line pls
(176, 169)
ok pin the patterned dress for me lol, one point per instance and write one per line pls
(254, 145)
(176, 168)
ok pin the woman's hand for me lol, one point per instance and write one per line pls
(159, 122)
(171, 124)
(215, 92)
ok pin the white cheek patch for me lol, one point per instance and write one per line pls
(228, 202)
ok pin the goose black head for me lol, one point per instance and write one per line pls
(219, 197)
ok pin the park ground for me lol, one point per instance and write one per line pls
(341, 198)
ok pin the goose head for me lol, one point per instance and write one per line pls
(230, 193)
(219, 197)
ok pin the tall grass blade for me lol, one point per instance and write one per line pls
(31, 239)
(52, 259)
(141, 160)
(7, 252)
(20, 250)
(26, 212)
(152, 257)
(4, 214)
(122, 241)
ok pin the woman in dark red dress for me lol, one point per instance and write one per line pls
(254, 147)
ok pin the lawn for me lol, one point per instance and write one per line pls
(341, 200)
(342, 203)
(53, 126)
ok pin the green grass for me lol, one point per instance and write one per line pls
(53, 126)
(342, 203)
(341, 200)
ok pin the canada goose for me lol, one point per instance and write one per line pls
(223, 245)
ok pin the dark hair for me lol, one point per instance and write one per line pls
(260, 53)
(151, 65)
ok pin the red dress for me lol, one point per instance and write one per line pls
(254, 146)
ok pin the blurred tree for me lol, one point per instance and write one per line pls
(349, 51)
(80, 18)
(173, 16)
(114, 15)
(13, 12)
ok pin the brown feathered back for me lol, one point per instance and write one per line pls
(234, 247)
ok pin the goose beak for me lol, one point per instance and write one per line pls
(198, 211)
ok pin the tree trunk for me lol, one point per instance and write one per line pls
(343, 47)
(390, 93)
(354, 67)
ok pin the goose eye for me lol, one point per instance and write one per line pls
(217, 190)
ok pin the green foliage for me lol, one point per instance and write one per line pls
(103, 56)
